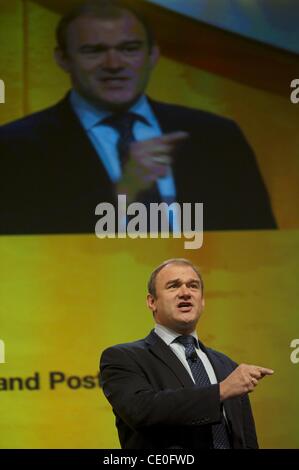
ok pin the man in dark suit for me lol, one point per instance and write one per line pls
(107, 138)
(169, 390)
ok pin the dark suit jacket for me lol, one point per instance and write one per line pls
(157, 405)
(51, 178)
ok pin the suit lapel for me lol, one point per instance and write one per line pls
(167, 120)
(218, 365)
(164, 353)
(79, 153)
(232, 407)
(170, 121)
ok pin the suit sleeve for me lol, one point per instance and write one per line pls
(139, 405)
(249, 426)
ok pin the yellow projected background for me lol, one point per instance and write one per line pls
(65, 298)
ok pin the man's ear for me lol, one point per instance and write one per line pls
(151, 302)
(154, 55)
(62, 59)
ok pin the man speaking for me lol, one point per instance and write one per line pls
(171, 391)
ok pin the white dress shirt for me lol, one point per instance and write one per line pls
(169, 337)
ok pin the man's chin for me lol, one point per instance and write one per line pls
(186, 325)
(118, 106)
(114, 101)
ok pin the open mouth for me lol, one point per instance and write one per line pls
(114, 80)
(185, 306)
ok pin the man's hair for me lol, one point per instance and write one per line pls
(103, 9)
(151, 285)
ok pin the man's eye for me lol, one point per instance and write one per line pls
(131, 48)
(91, 51)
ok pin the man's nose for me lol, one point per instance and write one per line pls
(184, 291)
(113, 60)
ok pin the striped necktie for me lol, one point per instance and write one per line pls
(201, 378)
(123, 123)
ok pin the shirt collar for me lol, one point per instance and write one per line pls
(91, 115)
(169, 336)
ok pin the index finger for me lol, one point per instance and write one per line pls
(174, 137)
(265, 370)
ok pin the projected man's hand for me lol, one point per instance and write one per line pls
(148, 161)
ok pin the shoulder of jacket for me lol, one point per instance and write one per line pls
(191, 113)
(32, 122)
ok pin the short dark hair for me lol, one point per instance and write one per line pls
(99, 9)
(151, 285)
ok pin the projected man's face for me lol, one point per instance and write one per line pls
(179, 300)
(109, 59)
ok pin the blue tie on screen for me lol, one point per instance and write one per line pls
(201, 378)
(123, 123)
